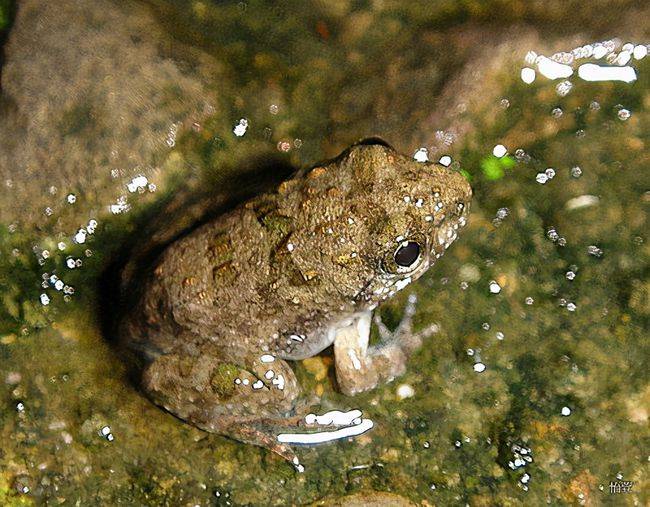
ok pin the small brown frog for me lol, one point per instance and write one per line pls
(285, 275)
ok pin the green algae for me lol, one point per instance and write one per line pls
(457, 433)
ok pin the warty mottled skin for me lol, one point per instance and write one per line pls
(283, 276)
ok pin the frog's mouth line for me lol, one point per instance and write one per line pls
(446, 234)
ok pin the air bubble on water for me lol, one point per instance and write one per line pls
(553, 235)
(529, 300)
(504, 103)
(121, 206)
(594, 106)
(571, 307)
(470, 352)
(563, 88)
(485, 326)
(297, 143)
(105, 432)
(139, 183)
(71, 198)
(640, 51)
(479, 368)
(594, 251)
(495, 288)
(557, 112)
(520, 154)
(45, 299)
(241, 127)
(623, 114)
(566, 411)
(61, 245)
(530, 58)
(45, 254)
(563, 57)
(70, 263)
(445, 160)
(405, 391)
(501, 214)
(151, 187)
(552, 69)
(499, 335)
(550, 173)
(273, 109)
(599, 50)
(58, 285)
(80, 237)
(92, 226)
(499, 150)
(48, 211)
(421, 155)
(284, 146)
(570, 275)
(528, 75)
(576, 172)
(541, 178)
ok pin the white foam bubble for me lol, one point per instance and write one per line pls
(593, 72)
(422, 155)
(499, 150)
(528, 75)
(640, 52)
(553, 70)
(325, 436)
(335, 417)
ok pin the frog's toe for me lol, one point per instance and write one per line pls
(403, 335)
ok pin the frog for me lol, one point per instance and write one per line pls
(225, 310)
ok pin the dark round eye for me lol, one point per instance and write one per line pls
(407, 254)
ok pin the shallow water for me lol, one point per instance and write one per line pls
(542, 304)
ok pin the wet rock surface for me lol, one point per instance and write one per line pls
(95, 96)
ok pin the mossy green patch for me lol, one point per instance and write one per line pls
(223, 379)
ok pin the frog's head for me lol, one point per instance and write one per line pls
(411, 212)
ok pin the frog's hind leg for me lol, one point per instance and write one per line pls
(251, 404)
(360, 367)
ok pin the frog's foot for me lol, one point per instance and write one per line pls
(277, 434)
(360, 367)
(403, 335)
(252, 404)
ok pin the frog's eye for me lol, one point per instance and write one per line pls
(407, 254)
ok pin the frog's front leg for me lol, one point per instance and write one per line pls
(360, 367)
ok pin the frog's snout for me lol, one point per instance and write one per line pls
(464, 188)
